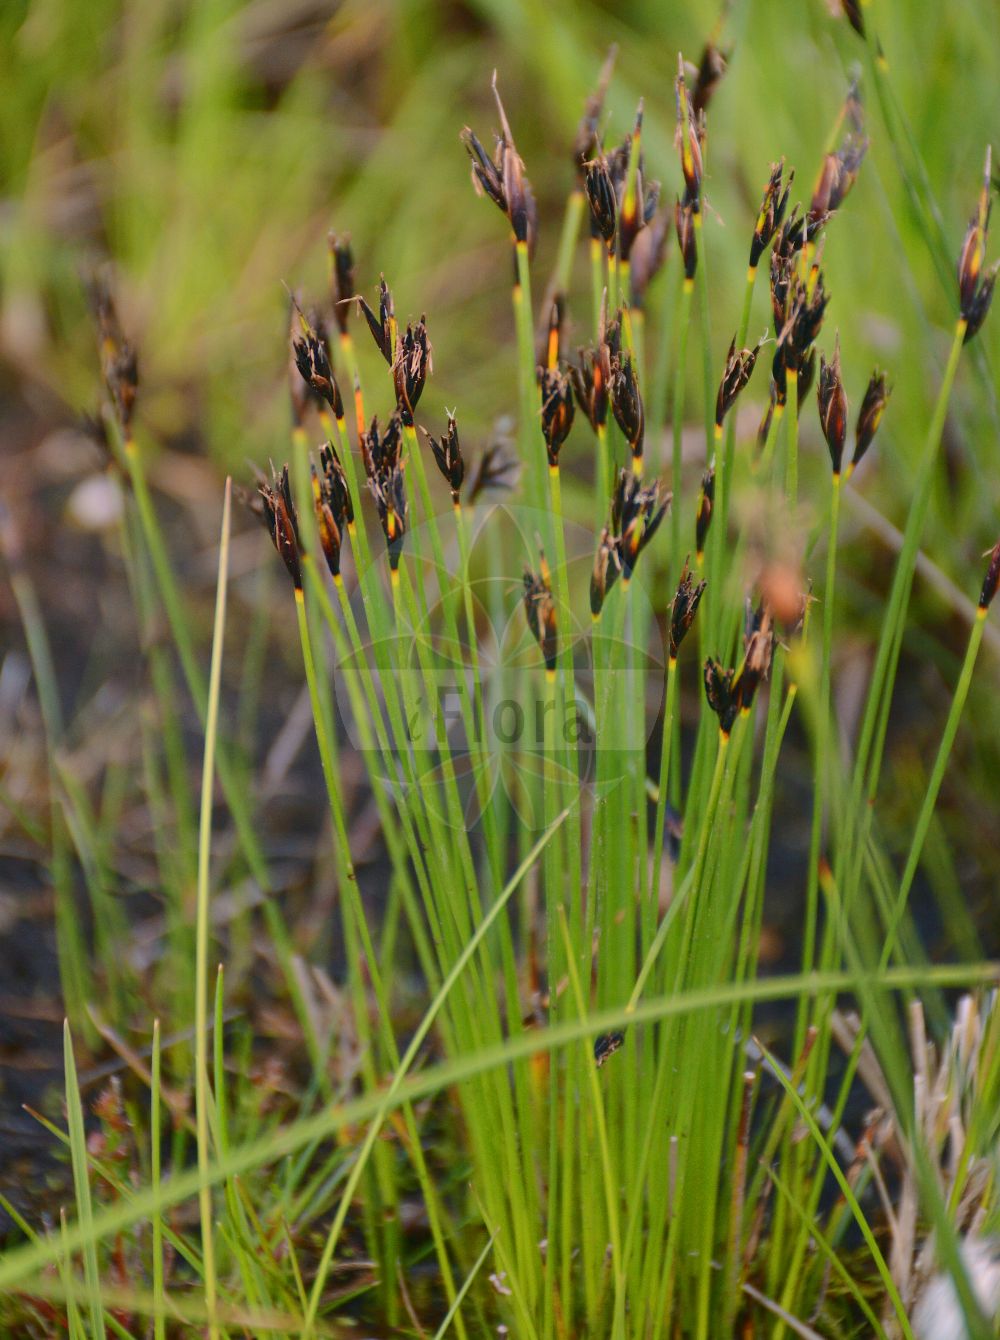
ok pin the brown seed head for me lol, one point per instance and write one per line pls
(383, 326)
(503, 179)
(758, 650)
(686, 240)
(389, 492)
(684, 608)
(870, 414)
(557, 410)
(626, 403)
(411, 367)
(448, 454)
(719, 692)
(738, 371)
(832, 401)
(280, 517)
(973, 254)
(607, 567)
(312, 360)
(334, 510)
(540, 611)
(768, 417)
(840, 169)
(636, 513)
(991, 580)
(341, 277)
(601, 198)
(688, 139)
(592, 381)
(498, 468)
(711, 68)
(772, 211)
(703, 520)
(119, 364)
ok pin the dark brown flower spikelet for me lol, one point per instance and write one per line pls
(686, 240)
(991, 580)
(711, 68)
(119, 363)
(341, 277)
(688, 139)
(601, 198)
(636, 205)
(719, 693)
(840, 169)
(605, 1046)
(388, 489)
(737, 373)
(498, 468)
(607, 567)
(334, 509)
(772, 211)
(703, 519)
(832, 401)
(312, 359)
(975, 290)
(636, 513)
(503, 179)
(873, 405)
(626, 403)
(382, 326)
(590, 382)
(448, 455)
(807, 374)
(758, 651)
(683, 608)
(280, 517)
(411, 367)
(768, 417)
(557, 410)
(540, 611)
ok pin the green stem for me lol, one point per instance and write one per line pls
(202, 1097)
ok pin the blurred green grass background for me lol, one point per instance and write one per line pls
(207, 148)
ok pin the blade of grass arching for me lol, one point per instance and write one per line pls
(830, 1159)
(21, 1264)
(466, 1286)
(81, 1184)
(159, 1295)
(203, 1096)
(406, 1061)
